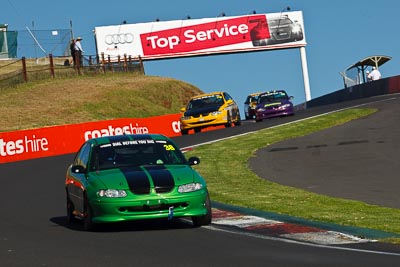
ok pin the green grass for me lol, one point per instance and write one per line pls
(226, 169)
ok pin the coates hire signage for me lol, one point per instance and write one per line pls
(64, 139)
(193, 37)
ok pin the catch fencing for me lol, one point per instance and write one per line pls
(35, 43)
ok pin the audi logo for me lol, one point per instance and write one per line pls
(120, 38)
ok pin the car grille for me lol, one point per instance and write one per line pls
(201, 122)
(164, 189)
(272, 107)
(202, 114)
(158, 189)
(281, 35)
(150, 208)
(141, 191)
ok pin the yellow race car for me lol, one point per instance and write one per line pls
(211, 109)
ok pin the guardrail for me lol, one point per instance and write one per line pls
(390, 85)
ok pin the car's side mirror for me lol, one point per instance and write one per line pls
(78, 169)
(194, 161)
(183, 109)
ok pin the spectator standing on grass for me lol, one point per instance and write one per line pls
(374, 74)
(79, 51)
(72, 48)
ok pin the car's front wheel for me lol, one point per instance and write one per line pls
(229, 121)
(238, 120)
(88, 224)
(205, 219)
(70, 210)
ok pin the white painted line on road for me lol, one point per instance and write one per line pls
(255, 235)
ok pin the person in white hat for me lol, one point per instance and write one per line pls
(368, 77)
(78, 50)
(374, 75)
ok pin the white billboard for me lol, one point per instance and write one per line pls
(194, 37)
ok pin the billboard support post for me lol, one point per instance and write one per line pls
(306, 79)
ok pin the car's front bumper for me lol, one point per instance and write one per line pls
(149, 207)
(274, 112)
(203, 122)
(250, 113)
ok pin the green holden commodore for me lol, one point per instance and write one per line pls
(134, 177)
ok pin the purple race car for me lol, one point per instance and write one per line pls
(275, 103)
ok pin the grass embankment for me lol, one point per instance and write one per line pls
(91, 98)
(225, 167)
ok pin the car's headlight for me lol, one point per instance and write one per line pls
(111, 193)
(215, 113)
(185, 118)
(284, 106)
(296, 29)
(260, 109)
(189, 187)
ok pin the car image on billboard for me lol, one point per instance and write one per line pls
(282, 30)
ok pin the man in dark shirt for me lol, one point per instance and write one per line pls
(72, 48)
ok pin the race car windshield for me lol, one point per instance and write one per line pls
(132, 153)
(270, 97)
(279, 21)
(253, 99)
(212, 100)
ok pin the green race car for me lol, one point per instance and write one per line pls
(134, 177)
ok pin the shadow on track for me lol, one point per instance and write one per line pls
(131, 226)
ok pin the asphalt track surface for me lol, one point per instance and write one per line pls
(33, 230)
(357, 160)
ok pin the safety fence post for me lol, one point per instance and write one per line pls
(51, 65)
(24, 72)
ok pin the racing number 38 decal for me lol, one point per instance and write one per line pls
(169, 147)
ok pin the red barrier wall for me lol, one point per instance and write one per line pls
(58, 140)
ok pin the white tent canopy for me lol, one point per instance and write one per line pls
(355, 73)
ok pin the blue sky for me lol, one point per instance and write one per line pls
(338, 33)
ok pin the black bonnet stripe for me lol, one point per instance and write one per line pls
(162, 178)
(137, 179)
